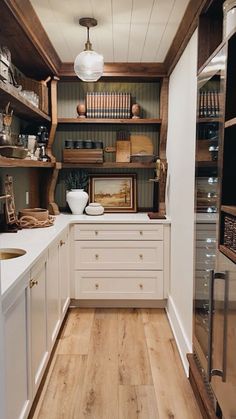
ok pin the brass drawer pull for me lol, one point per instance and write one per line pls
(141, 233)
(96, 256)
(141, 257)
(33, 282)
(96, 233)
(141, 286)
(62, 242)
(96, 286)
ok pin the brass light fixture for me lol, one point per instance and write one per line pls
(88, 64)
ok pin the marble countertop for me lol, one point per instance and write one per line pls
(36, 241)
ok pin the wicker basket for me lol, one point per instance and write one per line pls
(230, 232)
(39, 87)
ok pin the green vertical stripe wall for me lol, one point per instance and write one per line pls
(144, 93)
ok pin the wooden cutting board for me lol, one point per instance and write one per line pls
(141, 144)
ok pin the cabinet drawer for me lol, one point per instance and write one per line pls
(118, 255)
(118, 232)
(119, 285)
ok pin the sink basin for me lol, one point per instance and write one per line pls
(11, 253)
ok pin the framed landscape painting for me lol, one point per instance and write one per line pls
(116, 193)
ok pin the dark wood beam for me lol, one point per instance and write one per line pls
(121, 70)
(22, 32)
(185, 31)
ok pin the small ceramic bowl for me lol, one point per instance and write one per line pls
(94, 208)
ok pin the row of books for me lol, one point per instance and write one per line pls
(108, 105)
(209, 104)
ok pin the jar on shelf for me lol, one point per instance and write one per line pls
(229, 23)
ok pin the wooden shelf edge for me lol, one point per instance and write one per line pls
(227, 252)
(8, 162)
(209, 119)
(110, 165)
(199, 390)
(229, 209)
(140, 121)
(230, 123)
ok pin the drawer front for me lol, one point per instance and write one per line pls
(118, 255)
(118, 232)
(119, 285)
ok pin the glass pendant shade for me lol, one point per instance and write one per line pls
(88, 65)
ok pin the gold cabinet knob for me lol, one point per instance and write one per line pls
(96, 286)
(141, 286)
(33, 282)
(62, 242)
(141, 257)
(96, 256)
(141, 233)
(96, 233)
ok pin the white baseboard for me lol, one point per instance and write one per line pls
(183, 344)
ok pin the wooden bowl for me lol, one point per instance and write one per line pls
(40, 214)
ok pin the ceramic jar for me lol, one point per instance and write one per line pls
(77, 200)
(94, 208)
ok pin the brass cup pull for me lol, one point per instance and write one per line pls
(96, 256)
(96, 233)
(141, 286)
(62, 242)
(33, 282)
(96, 286)
(141, 257)
(141, 233)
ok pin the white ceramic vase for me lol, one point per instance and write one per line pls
(77, 200)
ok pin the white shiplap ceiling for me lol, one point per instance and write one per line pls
(127, 30)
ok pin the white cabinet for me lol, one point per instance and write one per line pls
(38, 322)
(121, 261)
(64, 272)
(17, 366)
(53, 294)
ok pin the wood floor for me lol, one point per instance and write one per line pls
(116, 364)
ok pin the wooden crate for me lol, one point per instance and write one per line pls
(83, 155)
(39, 87)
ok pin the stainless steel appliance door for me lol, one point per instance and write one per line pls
(224, 338)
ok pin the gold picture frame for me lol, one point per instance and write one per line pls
(115, 192)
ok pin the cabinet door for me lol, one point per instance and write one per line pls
(38, 327)
(16, 358)
(64, 272)
(53, 294)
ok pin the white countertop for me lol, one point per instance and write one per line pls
(36, 241)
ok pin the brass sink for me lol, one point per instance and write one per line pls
(11, 253)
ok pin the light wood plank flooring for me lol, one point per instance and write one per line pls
(116, 364)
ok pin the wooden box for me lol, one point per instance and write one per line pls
(39, 87)
(83, 155)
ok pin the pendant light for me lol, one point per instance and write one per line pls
(88, 64)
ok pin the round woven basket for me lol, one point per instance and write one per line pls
(40, 214)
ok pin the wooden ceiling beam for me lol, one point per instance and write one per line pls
(120, 70)
(186, 29)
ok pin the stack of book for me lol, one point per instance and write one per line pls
(209, 104)
(111, 105)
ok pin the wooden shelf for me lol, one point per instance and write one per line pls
(229, 209)
(230, 123)
(152, 121)
(110, 165)
(227, 252)
(7, 162)
(21, 107)
(209, 119)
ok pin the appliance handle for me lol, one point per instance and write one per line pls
(209, 351)
(222, 373)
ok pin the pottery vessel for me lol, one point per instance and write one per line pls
(77, 200)
(94, 208)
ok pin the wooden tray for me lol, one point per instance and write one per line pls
(83, 155)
